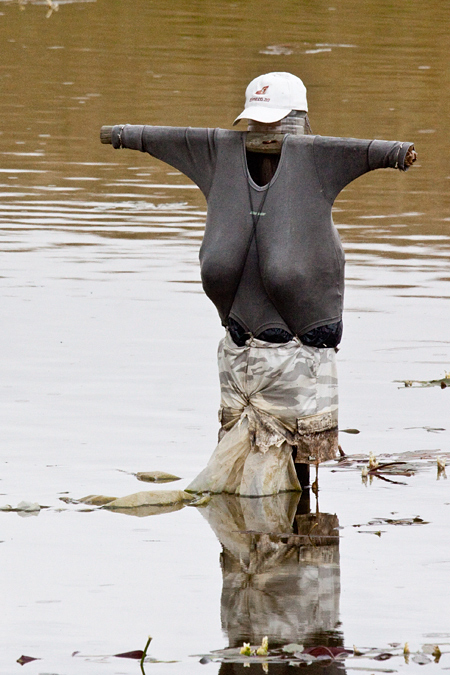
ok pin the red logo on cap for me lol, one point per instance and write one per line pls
(263, 90)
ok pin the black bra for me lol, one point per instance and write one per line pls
(321, 337)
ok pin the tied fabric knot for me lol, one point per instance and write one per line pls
(265, 430)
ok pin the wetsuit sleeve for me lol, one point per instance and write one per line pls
(340, 160)
(191, 151)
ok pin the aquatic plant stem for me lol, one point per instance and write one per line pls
(145, 654)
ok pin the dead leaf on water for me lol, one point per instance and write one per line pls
(136, 654)
(323, 650)
(68, 500)
(156, 477)
(421, 659)
(96, 500)
(296, 655)
(23, 507)
(431, 430)
(28, 507)
(305, 658)
(417, 520)
(434, 650)
(292, 647)
(92, 500)
(397, 468)
(423, 455)
(27, 659)
(443, 382)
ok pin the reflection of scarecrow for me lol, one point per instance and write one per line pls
(272, 263)
(281, 574)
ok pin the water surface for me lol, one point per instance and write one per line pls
(108, 344)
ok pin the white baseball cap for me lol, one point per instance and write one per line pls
(270, 97)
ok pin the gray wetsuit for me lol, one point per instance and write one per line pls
(271, 256)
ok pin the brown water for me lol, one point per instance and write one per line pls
(107, 351)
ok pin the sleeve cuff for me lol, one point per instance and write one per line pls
(127, 136)
(388, 154)
(116, 136)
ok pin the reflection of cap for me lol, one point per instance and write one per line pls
(271, 97)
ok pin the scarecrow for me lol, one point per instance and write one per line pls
(273, 265)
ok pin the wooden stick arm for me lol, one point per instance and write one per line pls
(256, 142)
(411, 156)
(106, 135)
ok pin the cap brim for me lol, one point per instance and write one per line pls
(264, 115)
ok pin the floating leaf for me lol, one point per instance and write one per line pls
(292, 647)
(23, 507)
(96, 500)
(27, 659)
(28, 506)
(428, 649)
(136, 654)
(156, 477)
(421, 659)
(397, 521)
(305, 658)
(443, 382)
(322, 650)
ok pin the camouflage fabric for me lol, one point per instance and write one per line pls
(274, 397)
(291, 382)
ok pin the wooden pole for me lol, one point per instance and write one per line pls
(256, 141)
(106, 135)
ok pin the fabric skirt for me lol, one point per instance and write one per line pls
(279, 402)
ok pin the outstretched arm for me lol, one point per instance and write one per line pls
(340, 160)
(191, 151)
